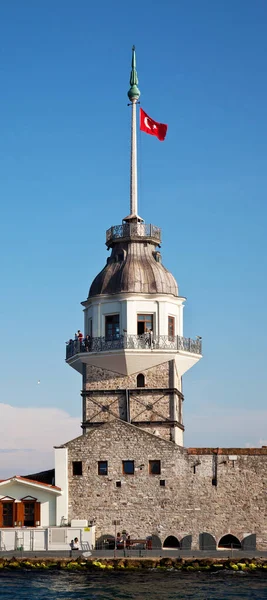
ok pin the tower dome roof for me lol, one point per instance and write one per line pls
(134, 267)
(135, 264)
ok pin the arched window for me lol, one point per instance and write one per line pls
(229, 541)
(140, 380)
(171, 542)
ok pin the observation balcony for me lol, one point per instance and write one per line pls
(128, 354)
(146, 342)
(133, 232)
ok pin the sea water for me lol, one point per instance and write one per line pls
(173, 585)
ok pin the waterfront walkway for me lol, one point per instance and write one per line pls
(156, 553)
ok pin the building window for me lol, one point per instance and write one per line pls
(140, 380)
(28, 512)
(118, 483)
(171, 327)
(154, 467)
(25, 513)
(8, 513)
(128, 467)
(102, 467)
(77, 467)
(162, 482)
(29, 520)
(120, 256)
(144, 324)
(157, 257)
(112, 327)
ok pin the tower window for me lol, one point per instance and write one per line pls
(162, 482)
(154, 467)
(77, 467)
(112, 327)
(140, 380)
(118, 483)
(171, 327)
(102, 467)
(128, 467)
(144, 323)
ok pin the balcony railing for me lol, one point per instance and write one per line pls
(133, 230)
(146, 341)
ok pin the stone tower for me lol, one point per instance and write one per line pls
(135, 353)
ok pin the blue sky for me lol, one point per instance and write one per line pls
(64, 179)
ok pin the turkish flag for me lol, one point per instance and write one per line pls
(150, 126)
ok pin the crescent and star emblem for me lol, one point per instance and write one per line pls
(148, 123)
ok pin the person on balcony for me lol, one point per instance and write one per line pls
(87, 343)
(148, 337)
(80, 340)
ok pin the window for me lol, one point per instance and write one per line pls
(102, 467)
(140, 380)
(29, 512)
(157, 257)
(8, 513)
(77, 467)
(25, 513)
(112, 326)
(144, 323)
(29, 520)
(171, 327)
(154, 467)
(118, 483)
(162, 482)
(128, 467)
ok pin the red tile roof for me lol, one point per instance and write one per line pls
(47, 485)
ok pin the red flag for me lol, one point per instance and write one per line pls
(152, 127)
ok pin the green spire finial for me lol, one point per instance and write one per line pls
(134, 92)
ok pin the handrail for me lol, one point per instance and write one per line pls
(133, 230)
(146, 341)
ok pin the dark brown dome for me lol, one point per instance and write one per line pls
(134, 267)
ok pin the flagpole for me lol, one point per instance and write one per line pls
(133, 96)
(133, 164)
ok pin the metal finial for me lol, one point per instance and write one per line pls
(134, 92)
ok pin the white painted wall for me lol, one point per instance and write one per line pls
(129, 306)
(46, 538)
(61, 480)
(19, 490)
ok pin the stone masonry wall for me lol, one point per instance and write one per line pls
(151, 407)
(188, 504)
(102, 379)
